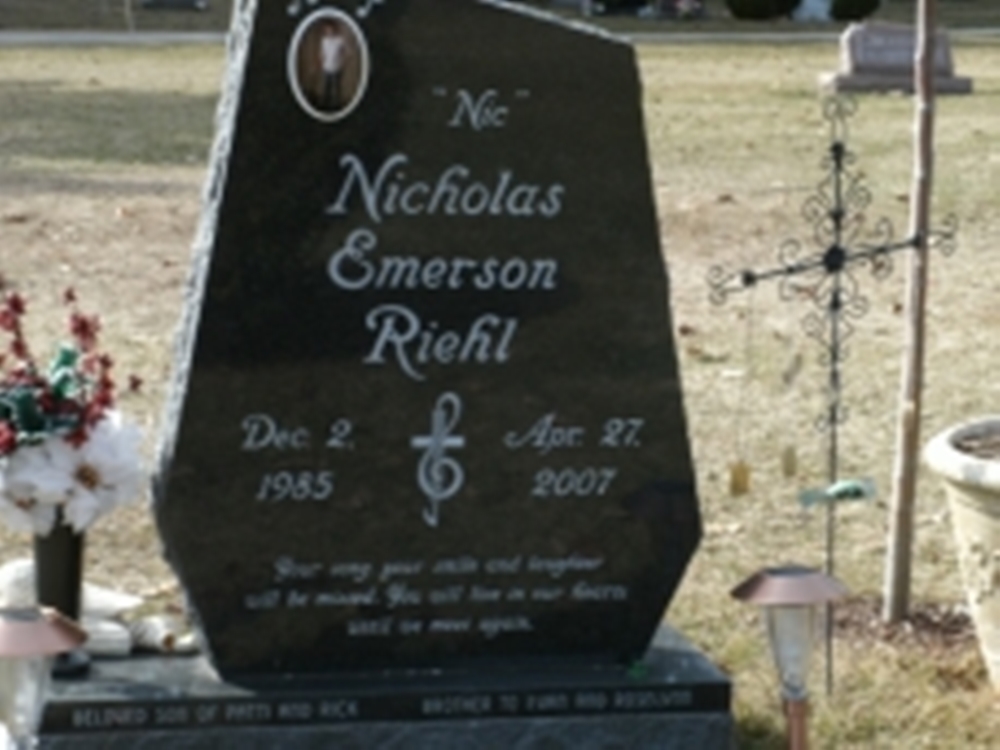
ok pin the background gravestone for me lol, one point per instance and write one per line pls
(428, 410)
(880, 56)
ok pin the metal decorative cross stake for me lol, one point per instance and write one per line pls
(827, 278)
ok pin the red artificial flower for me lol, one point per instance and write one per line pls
(95, 409)
(97, 364)
(19, 348)
(15, 303)
(47, 401)
(84, 329)
(8, 439)
(78, 436)
(84, 391)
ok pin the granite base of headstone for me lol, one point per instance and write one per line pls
(672, 699)
(879, 57)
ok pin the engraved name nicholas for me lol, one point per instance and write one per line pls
(454, 192)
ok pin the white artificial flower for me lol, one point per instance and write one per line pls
(105, 471)
(27, 516)
(30, 490)
(29, 473)
(82, 510)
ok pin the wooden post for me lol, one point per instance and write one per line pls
(904, 480)
(129, 15)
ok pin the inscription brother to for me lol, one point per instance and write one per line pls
(427, 410)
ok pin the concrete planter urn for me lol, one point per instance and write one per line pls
(967, 458)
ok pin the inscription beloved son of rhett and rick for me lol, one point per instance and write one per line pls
(279, 710)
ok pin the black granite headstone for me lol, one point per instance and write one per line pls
(427, 412)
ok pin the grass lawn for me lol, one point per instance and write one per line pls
(737, 140)
(102, 153)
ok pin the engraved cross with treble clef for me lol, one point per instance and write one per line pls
(440, 476)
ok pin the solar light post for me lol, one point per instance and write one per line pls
(29, 638)
(789, 596)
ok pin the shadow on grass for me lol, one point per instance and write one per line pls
(45, 121)
(760, 732)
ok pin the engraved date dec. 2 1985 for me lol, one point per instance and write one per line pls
(300, 486)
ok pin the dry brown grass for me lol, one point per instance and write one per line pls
(101, 158)
(737, 138)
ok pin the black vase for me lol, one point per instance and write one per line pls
(59, 584)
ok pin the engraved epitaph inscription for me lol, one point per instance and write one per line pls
(427, 410)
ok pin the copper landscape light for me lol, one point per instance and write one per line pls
(789, 596)
(29, 637)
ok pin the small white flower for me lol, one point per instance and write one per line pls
(82, 510)
(27, 515)
(104, 472)
(30, 490)
(87, 481)
(29, 473)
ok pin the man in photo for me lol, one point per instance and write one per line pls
(332, 53)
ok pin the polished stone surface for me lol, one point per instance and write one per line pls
(637, 732)
(673, 698)
(427, 411)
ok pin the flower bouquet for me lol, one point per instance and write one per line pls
(67, 456)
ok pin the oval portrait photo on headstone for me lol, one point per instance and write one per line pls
(328, 65)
